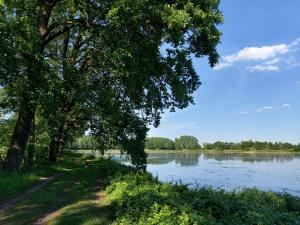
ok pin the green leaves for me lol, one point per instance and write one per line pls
(141, 199)
(97, 66)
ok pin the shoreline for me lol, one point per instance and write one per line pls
(279, 152)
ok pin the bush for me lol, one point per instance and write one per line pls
(141, 199)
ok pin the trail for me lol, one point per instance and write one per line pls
(43, 181)
(98, 195)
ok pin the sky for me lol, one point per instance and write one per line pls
(254, 91)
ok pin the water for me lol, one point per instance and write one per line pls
(229, 171)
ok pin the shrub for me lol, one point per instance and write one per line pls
(141, 199)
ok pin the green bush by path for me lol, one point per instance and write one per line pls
(141, 199)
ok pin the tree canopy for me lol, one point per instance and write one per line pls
(186, 142)
(108, 66)
(160, 143)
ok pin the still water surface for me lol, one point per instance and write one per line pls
(229, 171)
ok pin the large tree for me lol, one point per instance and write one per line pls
(139, 49)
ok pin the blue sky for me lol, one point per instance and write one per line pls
(254, 92)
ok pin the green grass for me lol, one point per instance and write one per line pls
(75, 197)
(12, 183)
(110, 193)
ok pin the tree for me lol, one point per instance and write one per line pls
(187, 142)
(134, 65)
(160, 143)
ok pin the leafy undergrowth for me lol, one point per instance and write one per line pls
(141, 199)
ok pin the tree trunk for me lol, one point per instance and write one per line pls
(61, 146)
(63, 140)
(31, 145)
(57, 143)
(20, 136)
(53, 149)
(15, 154)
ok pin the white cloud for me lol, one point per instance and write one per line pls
(296, 42)
(222, 66)
(272, 62)
(267, 55)
(258, 53)
(286, 105)
(291, 66)
(264, 108)
(263, 68)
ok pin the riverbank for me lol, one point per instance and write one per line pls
(106, 192)
(150, 151)
(116, 151)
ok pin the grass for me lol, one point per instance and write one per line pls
(12, 183)
(110, 193)
(76, 197)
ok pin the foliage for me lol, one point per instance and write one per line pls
(2, 155)
(187, 142)
(141, 199)
(65, 61)
(251, 145)
(84, 142)
(160, 143)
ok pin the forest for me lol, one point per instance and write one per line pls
(252, 145)
(161, 143)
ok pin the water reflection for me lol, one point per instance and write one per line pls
(183, 159)
(252, 157)
(231, 171)
(192, 158)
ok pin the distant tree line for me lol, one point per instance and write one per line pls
(183, 142)
(251, 145)
(160, 143)
(188, 142)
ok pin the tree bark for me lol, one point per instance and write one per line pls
(20, 136)
(63, 140)
(53, 149)
(57, 142)
(31, 145)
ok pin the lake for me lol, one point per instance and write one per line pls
(229, 171)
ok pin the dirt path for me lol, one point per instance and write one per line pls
(56, 213)
(98, 195)
(43, 181)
